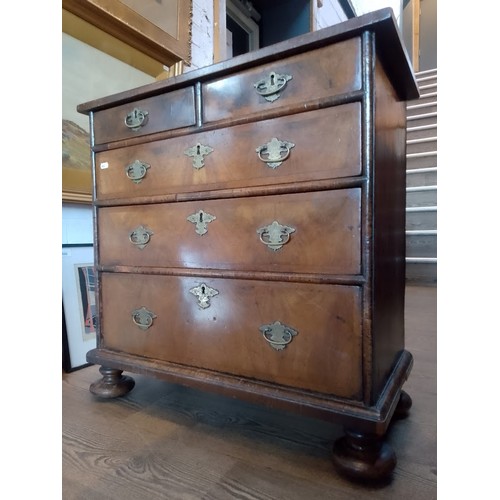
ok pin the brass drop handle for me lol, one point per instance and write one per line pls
(275, 152)
(136, 119)
(270, 86)
(136, 171)
(278, 335)
(275, 235)
(143, 317)
(140, 236)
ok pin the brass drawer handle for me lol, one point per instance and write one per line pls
(143, 317)
(136, 171)
(201, 220)
(275, 235)
(204, 293)
(270, 87)
(140, 236)
(136, 119)
(275, 152)
(278, 335)
(198, 153)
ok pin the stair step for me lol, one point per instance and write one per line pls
(421, 177)
(421, 272)
(421, 108)
(419, 132)
(426, 80)
(422, 119)
(426, 72)
(421, 145)
(421, 196)
(428, 87)
(421, 244)
(425, 97)
(424, 159)
(421, 219)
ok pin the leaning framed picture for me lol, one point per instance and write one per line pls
(79, 305)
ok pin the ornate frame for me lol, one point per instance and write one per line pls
(120, 21)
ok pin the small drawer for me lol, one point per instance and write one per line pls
(316, 232)
(162, 112)
(293, 334)
(322, 144)
(325, 72)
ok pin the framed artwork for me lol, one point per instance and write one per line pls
(76, 163)
(79, 305)
(161, 29)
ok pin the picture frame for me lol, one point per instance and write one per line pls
(135, 22)
(79, 318)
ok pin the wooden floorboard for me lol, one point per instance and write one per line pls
(164, 441)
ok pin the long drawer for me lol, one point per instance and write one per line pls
(325, 72)
(304, 336)
(316, 145)
(146, 116)
(316, 232)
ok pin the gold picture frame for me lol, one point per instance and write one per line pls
(118, 19)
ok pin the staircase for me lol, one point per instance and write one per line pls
(421, 182)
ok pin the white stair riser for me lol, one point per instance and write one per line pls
(413, 132)
(421, 245)
(419, 108)
(421, 274)
(421, 220)
(421, 179)
(429, 144)
(421, 119)
(427, 160)
(421, 198)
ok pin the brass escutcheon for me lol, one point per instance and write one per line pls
(278, 335)
(275, 152)
(198, 153)
(136, 119)
(143, 317)
(204, 293)
(136, 171)
(275, 235)
(140, 236)
(270, 87)
(201, 219)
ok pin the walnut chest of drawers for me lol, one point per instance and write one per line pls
(250, 231)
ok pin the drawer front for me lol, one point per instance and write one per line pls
(147, 116)
(325, 72)
(326, 144)
(316, 232)
(299, 335)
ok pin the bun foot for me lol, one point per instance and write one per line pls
(363, 457)
(404, 405)
(112, 385)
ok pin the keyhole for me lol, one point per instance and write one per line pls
(272, 78)
(198, 149)
(201, 216)
(202, 289)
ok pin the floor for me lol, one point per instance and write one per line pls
(164, 441)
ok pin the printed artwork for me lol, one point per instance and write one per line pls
(86, 288)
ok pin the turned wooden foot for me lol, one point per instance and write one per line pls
(363, 457)
(404, 405)
(113, 384)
